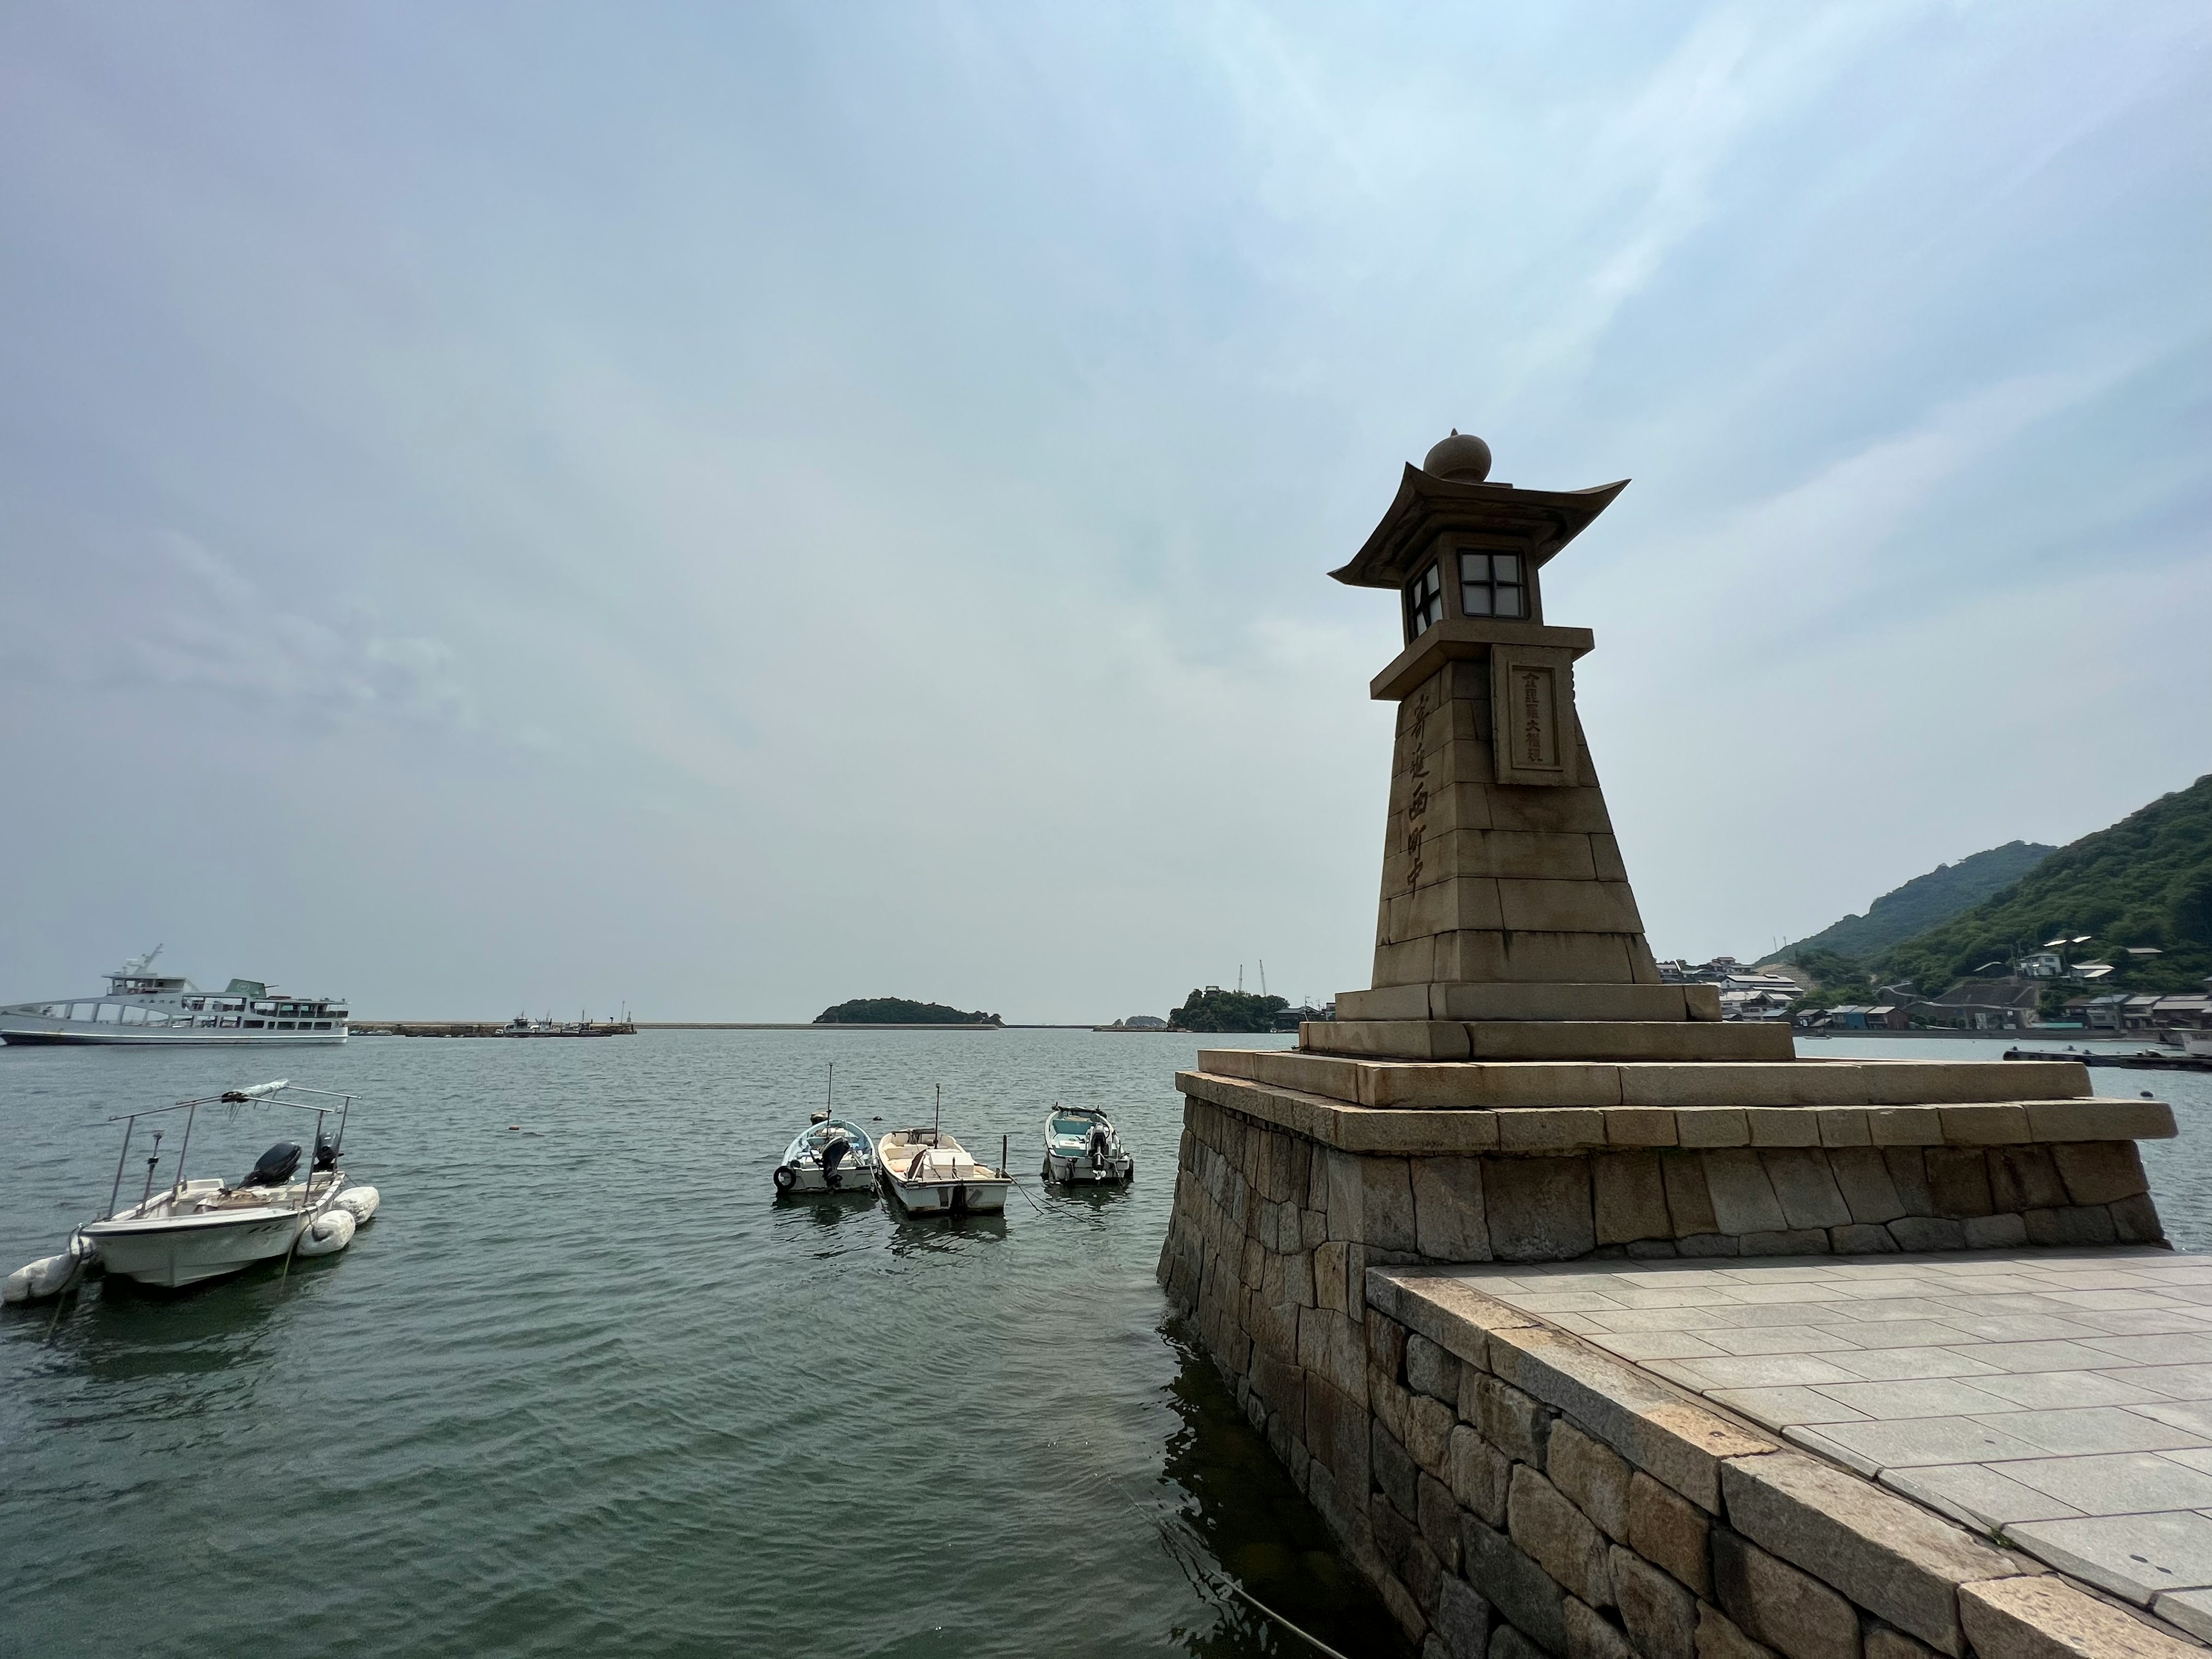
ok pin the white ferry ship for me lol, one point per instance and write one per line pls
(142, 1006)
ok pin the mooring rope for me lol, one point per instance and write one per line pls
(1183, 1551)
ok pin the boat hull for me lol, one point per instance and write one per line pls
(170, 1253)
(1081, 1171)
(808, 1182)
(25, 1037)
(984, 1197)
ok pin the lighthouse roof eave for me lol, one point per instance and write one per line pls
(1543, 521)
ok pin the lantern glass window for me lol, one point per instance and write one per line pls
(1425, 603)
(1490, 585)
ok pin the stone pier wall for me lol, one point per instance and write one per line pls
(1562, 1184)
(1510, 1496)
(1526, 1494)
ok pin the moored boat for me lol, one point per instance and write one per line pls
(190, 1230)
(831, 1155)
(1082, 1145)
(930, 1172)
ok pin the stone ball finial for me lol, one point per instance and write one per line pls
(1462, 458)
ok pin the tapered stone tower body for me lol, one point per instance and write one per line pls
(1507, 926)
(1517, 1085)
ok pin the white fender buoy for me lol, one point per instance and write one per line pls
(360, 1202)
(328, 1233)
(49, 1275)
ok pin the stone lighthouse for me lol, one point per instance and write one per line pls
(1506, 928)
(1518, 1457)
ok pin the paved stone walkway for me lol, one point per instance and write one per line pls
(2061, 1399)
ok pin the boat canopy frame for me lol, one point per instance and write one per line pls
(261, 1093)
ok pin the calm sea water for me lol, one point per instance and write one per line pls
(583, 1387)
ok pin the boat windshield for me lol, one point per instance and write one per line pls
(1065, 1125)
(816, 1137)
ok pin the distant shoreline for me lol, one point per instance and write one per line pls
(487, 1028)
(483, 1028)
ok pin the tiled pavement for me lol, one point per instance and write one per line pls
(2061, 1398)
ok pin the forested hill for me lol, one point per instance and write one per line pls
(897, 1011)
(2146, 880)
(1216, 1010)
(1926, 901)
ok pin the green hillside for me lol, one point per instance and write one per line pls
(1926, 901)
(2146, 880)
(1226, 1010)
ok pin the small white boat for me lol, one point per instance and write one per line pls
(191, 1230)
(930, 1172)
(1081, 1146)
(833, 1155)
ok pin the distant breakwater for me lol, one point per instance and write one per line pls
(469, 1028)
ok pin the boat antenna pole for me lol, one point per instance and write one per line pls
(184, 1149)
(936, 1123)
(116, 1191)
(150, 1163)
(829, 1101)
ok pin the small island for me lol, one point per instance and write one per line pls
(1216, 1010)
(897, 1011)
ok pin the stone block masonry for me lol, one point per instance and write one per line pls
(1512, 1492)
(1551, 1184)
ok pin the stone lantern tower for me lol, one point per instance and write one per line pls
(1517, 1085)
(1507, 926)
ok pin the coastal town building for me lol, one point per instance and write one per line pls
(2101, 1013)
(1883, 1016)
(1758, 1004)
(1729, 974)
(1985, 1004)
(1766, 992)
(2184, 1014)
(1594, 1325)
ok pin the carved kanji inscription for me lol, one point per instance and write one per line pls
(1532, 716)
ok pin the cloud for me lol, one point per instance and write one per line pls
(871, 486)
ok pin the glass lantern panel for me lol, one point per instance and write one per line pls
(1424, 603)
(1505, 567)
(1474, 599)
(1508, 600)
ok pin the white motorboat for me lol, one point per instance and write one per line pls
(1081, 1144)
(930, 1172)
(194, 1230)
(831, 1155)
(141, 1007)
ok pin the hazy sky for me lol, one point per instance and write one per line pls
(734, 508)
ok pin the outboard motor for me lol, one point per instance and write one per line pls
(327, 1155)
(833, 1154)
(1101, 1152)
(275, 1166)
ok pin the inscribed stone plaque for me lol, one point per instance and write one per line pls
(1532, 703)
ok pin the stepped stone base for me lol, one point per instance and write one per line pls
(1512, 1492)
(1559, 1039)
(1510, 1001)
